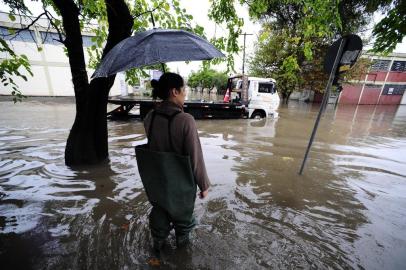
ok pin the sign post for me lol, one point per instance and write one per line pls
(341, 56)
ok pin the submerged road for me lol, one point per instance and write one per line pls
(348, 210)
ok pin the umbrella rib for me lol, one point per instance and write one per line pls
(207, 55)
(130, 65)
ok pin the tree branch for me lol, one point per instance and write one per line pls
(51, 20)
(148, 11)
(120, 23)
(25, 28)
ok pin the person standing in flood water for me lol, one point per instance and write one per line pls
(169, 129)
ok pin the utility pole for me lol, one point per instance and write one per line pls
(243, 57)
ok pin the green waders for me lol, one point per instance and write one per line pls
(170, 186)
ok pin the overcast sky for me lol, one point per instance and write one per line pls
(199, 10)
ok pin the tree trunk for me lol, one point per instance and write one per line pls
(287, 97)
(283, 97)
(87, 142)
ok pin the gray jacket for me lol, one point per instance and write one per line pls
(184, 135)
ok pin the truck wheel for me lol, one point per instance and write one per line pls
(257, 115)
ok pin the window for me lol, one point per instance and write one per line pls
(266, 88)
(393, 89)
(53, 38)
(50, 38)
(399, 66)
(3, 32)
(380, 65)
(23, 35)
(239, 84)
(87, 41)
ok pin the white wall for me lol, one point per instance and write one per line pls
(403, 101)
(52, 76)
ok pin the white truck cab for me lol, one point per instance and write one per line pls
(259, 95)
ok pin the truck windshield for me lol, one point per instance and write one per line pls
(239, 84)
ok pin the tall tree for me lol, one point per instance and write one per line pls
(207, 78)
(117, 19)
(87, 141)
(294, 31)
(273, 58)
(391, 29)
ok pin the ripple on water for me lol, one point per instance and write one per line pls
(11, 138)
(131, 136)
(22, 218)
(58, 172)
(46, 155)
(376, 160)
(28, 185)
(10, 168)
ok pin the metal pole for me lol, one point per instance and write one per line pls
(243, 56)
(326, 99)
(324, 102)
(163, 67)
(339, 93)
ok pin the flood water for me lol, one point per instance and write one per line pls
(347, 211)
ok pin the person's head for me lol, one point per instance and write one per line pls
(170, 86)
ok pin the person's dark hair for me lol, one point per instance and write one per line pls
(166, 82)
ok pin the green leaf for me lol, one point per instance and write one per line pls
(12, 17)
(263, 36)
(308, 51)
(167, 7)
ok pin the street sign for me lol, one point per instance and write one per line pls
(351, 51)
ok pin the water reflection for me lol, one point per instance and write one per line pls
(346, 211)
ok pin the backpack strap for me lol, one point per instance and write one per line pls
(167, 117)
(169, 129)
(150, 127)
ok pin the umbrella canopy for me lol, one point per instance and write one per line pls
(153, 47)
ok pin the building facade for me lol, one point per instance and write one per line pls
(384, 84)
(49, 63)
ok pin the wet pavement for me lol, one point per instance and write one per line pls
(348, 210)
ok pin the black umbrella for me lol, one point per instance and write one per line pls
(153, 47)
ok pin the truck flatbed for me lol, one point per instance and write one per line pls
(200, 109)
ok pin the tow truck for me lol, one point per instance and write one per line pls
(246, 97)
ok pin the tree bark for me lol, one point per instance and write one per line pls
(285, 97)
(88, 139)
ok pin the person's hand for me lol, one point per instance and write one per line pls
(203, 194)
